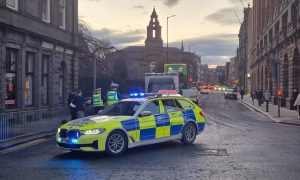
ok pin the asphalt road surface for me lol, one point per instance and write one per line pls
(237, 143)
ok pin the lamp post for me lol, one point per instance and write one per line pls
(168, 36)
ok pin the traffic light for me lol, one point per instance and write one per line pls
(279, 93)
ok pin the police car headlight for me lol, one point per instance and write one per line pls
(58, 130)
(93, 131)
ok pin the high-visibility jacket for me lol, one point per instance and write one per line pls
(97, 101)
(112, 97)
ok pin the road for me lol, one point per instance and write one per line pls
(238, 143)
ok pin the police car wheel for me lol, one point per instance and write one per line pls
(116, 143)
(189, 133)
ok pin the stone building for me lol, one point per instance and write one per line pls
(275, 41)
(227, 73)
(220, 75)
(242, 53)
(131, 63)
(37, 58)
(204, 73)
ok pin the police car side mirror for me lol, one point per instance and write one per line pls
(146, 113)
(99, 112)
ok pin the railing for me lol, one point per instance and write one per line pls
(33, 121)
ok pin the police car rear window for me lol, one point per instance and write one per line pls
(185, 104)
(169, 105)
(152, 106)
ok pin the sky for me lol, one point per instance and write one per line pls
(208, 28)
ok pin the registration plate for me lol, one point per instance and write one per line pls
(65, 140)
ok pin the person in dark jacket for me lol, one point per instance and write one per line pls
(293, 99)
(260, 97)
(71, 99)
(79, 103)
(242, 92)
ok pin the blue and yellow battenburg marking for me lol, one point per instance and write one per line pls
(160, 125)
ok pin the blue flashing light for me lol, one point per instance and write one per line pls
(74, 141)
(137, 95)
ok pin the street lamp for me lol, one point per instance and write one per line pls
(168, 36)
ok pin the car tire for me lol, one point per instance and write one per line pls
(116, 143)
(189, 133)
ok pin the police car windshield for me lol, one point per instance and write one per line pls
(123, 108)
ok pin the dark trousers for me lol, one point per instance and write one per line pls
(299, 110)
(73, 114)
(97, 109)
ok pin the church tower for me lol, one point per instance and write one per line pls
(154, 39)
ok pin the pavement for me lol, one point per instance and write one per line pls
(19, 140)
(286, 116)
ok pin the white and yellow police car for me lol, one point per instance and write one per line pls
(134, 122)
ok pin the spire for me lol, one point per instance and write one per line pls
(154, 12)
(154, 39)
(182, 48)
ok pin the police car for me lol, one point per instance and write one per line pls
(134, 122)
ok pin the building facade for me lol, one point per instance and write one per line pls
(37, 58)
(130, 64)
(242, 53)
(204, 74)
(220, 75)
(275, 60)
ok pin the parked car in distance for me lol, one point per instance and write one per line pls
(230, 93)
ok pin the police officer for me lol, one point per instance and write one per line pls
(97, 101)
(112, 95)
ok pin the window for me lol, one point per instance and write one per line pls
(284, 23)
(13, 4)
(185, 104)
(45, 80)
(276, 28)
(11, 78)
(156, 84)
(62, 14)
(61, 82)
(169, 105)
(46, 10)
(153, 33)
(153, 106)
(122, 108)
(29, 79)
(270, 35)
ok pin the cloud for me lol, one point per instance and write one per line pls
(215, 60)
(238, 2)
(171, 3)
(120, 38)
(225, 16)
(213, 45)
(139, 7)
(215, 49)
